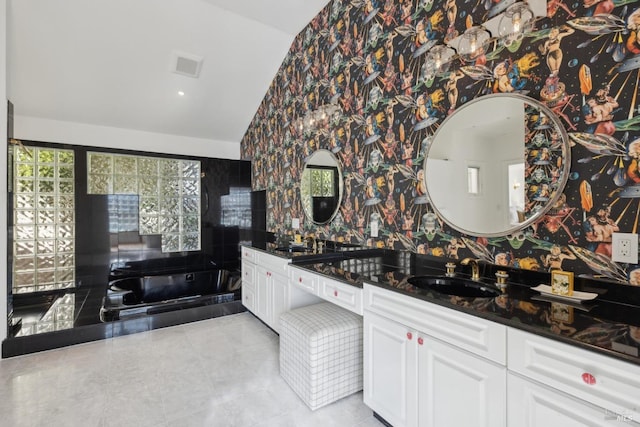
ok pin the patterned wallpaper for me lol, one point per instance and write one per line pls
(582, 61)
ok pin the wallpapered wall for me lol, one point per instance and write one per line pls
(369, 56)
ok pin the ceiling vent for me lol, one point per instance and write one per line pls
(186, 64)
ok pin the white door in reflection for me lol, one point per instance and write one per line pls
(516, 192)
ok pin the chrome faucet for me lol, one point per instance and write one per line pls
(475, 268)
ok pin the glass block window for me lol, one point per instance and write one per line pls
(236, 207)
(168, 192)
(43, 217)
(123, 213)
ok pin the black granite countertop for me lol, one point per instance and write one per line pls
(606, 325)
(330, 251)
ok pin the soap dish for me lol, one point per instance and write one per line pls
(575, 297)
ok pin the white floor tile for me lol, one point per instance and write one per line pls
(217, 372)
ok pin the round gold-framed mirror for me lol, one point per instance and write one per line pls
(321, 187)
(497, 165)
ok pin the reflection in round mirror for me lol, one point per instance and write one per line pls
(496, 165)
(321, 187)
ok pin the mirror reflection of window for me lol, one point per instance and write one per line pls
(322, 182)
(236, 207)
(323, 191)
(123, 213)
(473, 180)
(321, 187)
(516, 192)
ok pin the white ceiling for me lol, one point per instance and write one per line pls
(108, 62)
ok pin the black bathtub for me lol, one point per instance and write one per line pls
(145, 287)
(162, 266)
(148, 289)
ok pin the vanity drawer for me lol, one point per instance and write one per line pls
(248, 254)
(471, 333)
(606, 382)
(341, 294)
(248, 273)
(304, 280)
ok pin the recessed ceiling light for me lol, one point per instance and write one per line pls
(181, 93)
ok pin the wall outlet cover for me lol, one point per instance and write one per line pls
(295, 223)
(624, 248)
(374, 228)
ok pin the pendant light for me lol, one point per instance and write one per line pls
(517, 20)
(439, 58)
(473, 43)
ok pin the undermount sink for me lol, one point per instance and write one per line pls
(457, 286)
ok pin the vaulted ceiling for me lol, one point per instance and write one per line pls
(110, 62)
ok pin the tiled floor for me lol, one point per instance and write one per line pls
(218, 372)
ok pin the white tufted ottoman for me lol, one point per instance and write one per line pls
(321, 353)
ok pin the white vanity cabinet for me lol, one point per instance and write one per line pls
(248, 289)
(264, 285)
(426, 365)
(553, 383)
(266, 291)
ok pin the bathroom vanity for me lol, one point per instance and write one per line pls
(473, 354)
(427, 365)
(432, 359)
(422, 360)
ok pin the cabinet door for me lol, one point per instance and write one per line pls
(457, 388)
(390, 386)
(531, 404)
(249, 296)
(279, 299)
(262, 301)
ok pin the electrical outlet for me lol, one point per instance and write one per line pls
(624, 247)
(295, 223)
(374, 228)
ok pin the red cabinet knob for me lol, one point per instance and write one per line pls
(335, 293)
(300, 279)
(420, 341)
(409, 335)
(588, 378)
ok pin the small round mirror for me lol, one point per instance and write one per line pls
(321, 187)
(497, 165)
